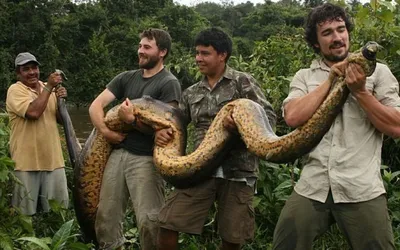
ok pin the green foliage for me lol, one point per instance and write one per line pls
(92, 41)
(16, 230)
(184, 67)
(63, 239)
(5, 72)
(275, 184)
(391, 180)
(272, 19)
(101, 68)
(10, 226)
(184, 21)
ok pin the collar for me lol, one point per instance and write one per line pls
(29, 88)
(228, 74)
(319, 64)
(159, 72)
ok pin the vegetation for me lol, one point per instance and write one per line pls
(94, 40)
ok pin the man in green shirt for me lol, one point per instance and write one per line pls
(232, 185)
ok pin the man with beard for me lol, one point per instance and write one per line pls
(340, 181)
(130, 171)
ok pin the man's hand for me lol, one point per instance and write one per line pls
(355, 78)
(113, 137)
(61, 92)
(163, 137)
(338, 69)
(229, 124)
(53, 80)
(125, 112)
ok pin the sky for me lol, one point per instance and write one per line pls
(194, 2)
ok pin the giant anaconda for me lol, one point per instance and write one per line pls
(184, 170)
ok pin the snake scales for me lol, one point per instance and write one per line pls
(184, 170)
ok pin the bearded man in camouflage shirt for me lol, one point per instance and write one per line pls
(233, 184)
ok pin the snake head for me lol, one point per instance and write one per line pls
(366, 57)
(370, 49)
(64, 77)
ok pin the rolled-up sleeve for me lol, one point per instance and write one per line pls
(386, 89)
(18, 100)
(297, 88)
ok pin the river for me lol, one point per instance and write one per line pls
(81, 122)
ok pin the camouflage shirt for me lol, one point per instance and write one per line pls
(200, 104)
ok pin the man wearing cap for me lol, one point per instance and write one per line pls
(34, 141)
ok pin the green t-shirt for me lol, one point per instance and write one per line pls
(132, 85)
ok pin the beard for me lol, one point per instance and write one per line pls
(336, 58)
(151, 62)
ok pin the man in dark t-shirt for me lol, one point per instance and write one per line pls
(130, 170)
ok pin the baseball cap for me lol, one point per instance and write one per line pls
(24, 58)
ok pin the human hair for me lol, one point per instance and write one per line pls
(216, 38)
(162, 38)
(323, 13)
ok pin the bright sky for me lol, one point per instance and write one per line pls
(194, 2)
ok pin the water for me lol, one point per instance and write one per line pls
(81, 122)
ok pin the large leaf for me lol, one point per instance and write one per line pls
(394, 175)
(387, 16)
(363, 13)
(284, 185)
(62, 235)
(5, 242)
(374, 4)
(256, 201)
(40, 242)
(26, 222)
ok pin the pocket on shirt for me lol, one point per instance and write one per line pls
(195, 102)
(227, 96)
(352, 109)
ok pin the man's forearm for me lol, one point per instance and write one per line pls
(37, 107)
(96, 114)
(300, 110)
(385, 119)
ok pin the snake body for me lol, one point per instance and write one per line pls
(185, 170)
(89, 167)
(256, 132)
